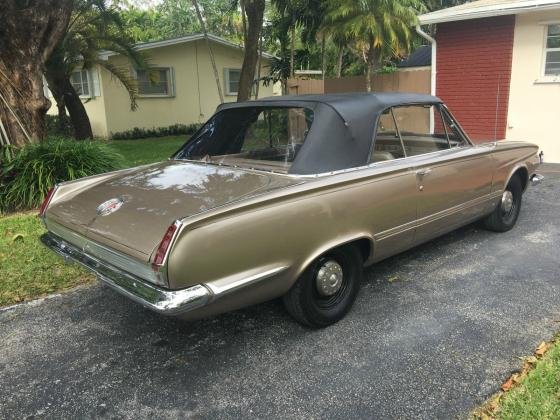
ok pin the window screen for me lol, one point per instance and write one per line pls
(155, 81)
(552, 51)
(232, 81)
(80, 82)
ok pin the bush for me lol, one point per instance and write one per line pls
(141, 133)
(32, 170)
(54, 129)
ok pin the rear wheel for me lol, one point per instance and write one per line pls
(505, 214)
(326, 290)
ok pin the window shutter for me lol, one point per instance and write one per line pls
(94, 77)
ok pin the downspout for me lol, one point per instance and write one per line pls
(433, 68)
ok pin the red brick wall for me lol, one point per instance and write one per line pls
(473, 58)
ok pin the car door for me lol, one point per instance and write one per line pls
(392, 198)
(453, 177)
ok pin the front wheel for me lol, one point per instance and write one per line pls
(505, 214)
(326, 290)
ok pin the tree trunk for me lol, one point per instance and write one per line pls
(66, 97)
(77, 111)
(323, 57)
(370, 66)
(28, 33)
(292, 49)
(254, 11)
(58, 96)
(259, 68)
(339, 62)
(213, 61)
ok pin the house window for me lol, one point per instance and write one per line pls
(155, 82)
(552, 51)
(81, 83)
(232, 81)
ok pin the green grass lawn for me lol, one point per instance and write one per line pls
(538, 395)
(28, 269)
(143, 151)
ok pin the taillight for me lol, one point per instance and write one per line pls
(46, 202)
(161, 251)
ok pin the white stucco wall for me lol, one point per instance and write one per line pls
(195, 93)
(534, 101)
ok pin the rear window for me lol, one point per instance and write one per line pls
(256, 137)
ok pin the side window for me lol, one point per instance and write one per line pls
(387, 144)
(413, 122)
(456, 138)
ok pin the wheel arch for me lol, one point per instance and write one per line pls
(523, 173)
(364, 242)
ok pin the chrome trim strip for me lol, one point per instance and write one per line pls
(231, 284)
(435, 216)
(167, 302)
(116, 259)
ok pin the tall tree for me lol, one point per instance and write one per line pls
(382, 28)
(29, 31)
(94, 27)
(253, 14)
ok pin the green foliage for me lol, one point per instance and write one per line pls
(28, 269)
(150, 150)
(26, 178)
(537, 397)
(54, 127)
(94, 27)
(175, 18)
(381, 29)
(141, 133)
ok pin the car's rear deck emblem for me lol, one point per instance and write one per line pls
(109, 206)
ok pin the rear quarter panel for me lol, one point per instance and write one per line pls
(292, 230)
(511, 157)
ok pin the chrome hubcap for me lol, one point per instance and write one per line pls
(507, 201)
(329, 278)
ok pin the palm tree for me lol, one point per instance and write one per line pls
(94, 27)
(381, 28)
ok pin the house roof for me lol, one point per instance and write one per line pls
(420, 57)
(487, 8)
(141, 46)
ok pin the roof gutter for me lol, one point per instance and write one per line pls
(448, 15)
(433, 73)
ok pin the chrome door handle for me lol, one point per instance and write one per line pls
(423, 172)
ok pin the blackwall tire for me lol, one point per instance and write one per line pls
(506, 213)
(327, 289)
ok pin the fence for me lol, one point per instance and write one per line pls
(416, 81)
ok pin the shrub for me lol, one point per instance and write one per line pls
(32, 170)
(141, 133)
(54, 129)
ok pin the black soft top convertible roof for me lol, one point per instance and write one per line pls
(343, 125)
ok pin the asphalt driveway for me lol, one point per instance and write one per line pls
(434, 332)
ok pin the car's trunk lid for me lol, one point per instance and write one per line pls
(155, 196)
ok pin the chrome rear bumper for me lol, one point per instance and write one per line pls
(167, 302)
(536, 179)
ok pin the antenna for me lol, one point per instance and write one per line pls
(497, 107)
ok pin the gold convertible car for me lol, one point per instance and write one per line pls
(286, 197)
